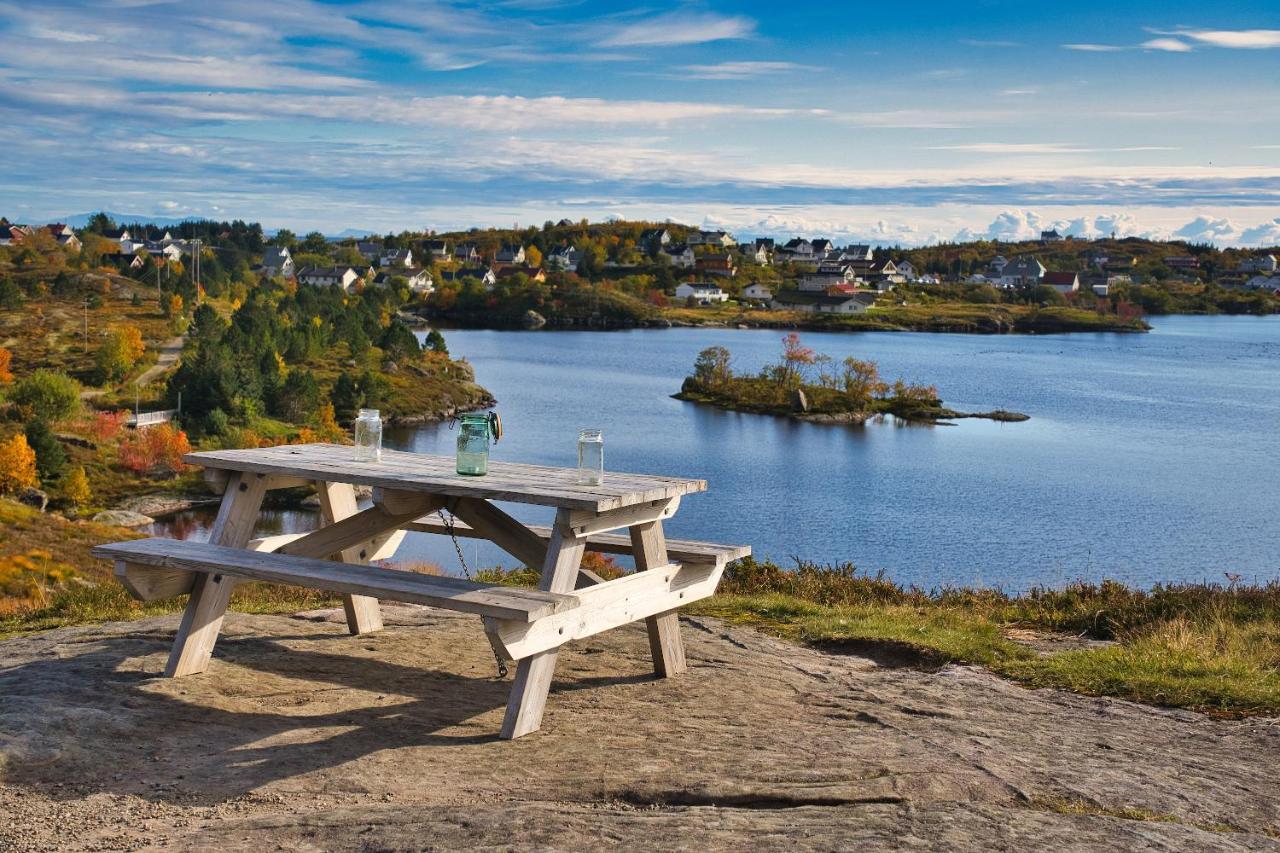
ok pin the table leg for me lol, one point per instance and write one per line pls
(202, 620)
(649, 546)
(533, 674)
(338, 501)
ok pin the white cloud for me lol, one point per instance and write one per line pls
(677, 28)
(1093, 48)
(1170, 45)
(1010, 148)
(1264, 234)
(743, 70)
(1239, 39)
(1209, 229)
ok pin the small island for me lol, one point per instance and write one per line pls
(810, 386)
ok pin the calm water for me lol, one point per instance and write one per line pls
(1147, 458)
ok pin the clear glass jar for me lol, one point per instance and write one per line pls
(473, 445)
(368, 436)
(590, 457)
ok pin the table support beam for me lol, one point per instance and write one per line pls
(649, 544)
(533, 674)
(210, 594)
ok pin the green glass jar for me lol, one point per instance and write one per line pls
(474, 433)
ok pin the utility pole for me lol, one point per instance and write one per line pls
(86, 325)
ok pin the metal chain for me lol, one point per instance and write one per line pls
(448, 525)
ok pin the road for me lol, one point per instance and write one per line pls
(167, 358)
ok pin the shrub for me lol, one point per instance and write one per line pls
(6, 359)
(75, 487)
(119, 352)
(48, 395)
(158, 447)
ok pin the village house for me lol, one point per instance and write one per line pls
(907, 270)
(995, 268)
(564, 258)
(277, 262)
(822, 247)
(466, 252)
(723, 239)
(341, 276)
(884, 272)
(754, 253)
(437, 249)
(680, 255)
(396, 258)
(825, 278)
(1063, 282)
(369, 249)
(418, 280)
(718, 264)
(1262, 282)
(12, 234)
(1262, 263)
(702, 294)
(1050, 236)
(857, 252)
(1182, 262)
(126, 259)
(756, 292)
(510, 255)
(64, 234)
(654, 239)
(1021, 271)
(485, 275)
(797, 248)
(824, 303)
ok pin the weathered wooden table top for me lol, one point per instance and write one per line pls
(414, 472)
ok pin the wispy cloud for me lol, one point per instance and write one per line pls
(1040, 148)
(1238, 39)
(680, 28)
(990, 43)
(1087, 47)
(1169, 45)
(744, 69)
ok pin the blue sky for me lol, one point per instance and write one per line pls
(886, 122)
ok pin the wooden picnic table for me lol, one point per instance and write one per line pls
(528, 626)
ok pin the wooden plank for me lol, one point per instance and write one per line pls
(608, 605)
(150, 584)
(210, 593)
(436, 474)
(665, 645)
(349, 535)
(502, 530)
(585, 523)
(684, 551)
(450, 593)
(532, 683)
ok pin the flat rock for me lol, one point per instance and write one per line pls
(300, 736)
(122, 518)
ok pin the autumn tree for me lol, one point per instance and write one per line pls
(711, 368)
(6, 358)
(861, 380)
(17, 465)
(119, 352)
(533, 257)
(47, 394)
(796, 359)
(159, 447)
(75, 487)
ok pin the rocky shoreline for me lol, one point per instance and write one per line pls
(799, 411)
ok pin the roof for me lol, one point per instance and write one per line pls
(325, 272)
(1060, 277)
(809, 297)
(275, 257)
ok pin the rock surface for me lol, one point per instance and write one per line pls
(122, 518)
(301, 737)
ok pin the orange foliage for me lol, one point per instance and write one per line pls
(161, 446)
(17, 465)
(6, 375)
(105, 426)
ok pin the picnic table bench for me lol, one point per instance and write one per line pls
(526, 625)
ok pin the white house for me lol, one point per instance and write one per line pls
(564, 258)
(824, 303)
(485, 275)
(277, 262)
(711, 238)
(419, 280)
(510, 255)
(1263, 282)
(1264, 263)
(703, 294)
(1023, 270)
(907, 270)
(344, 277)
(438, 249)
(680, 256)
(857, 252)
(396, 258)
(655, 238)
(369, 248)
(466, 252)
(756, 292)
(1063, 282)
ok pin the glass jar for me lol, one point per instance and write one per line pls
(368, 436)
(473, 445)
(590, 457)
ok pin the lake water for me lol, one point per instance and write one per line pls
(1148, 457)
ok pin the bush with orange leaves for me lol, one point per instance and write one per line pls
(160, 447)
(106, 426)
(6, 358)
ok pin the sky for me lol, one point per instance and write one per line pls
(884, 122)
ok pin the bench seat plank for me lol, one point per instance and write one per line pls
(678, 550)
(520, 605)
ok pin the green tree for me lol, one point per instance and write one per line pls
(398, 341)
(47, 395)
(347, 397)
(711, 368)
(50, 457)
(10, 293)
(298, 397)
(435, 342)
